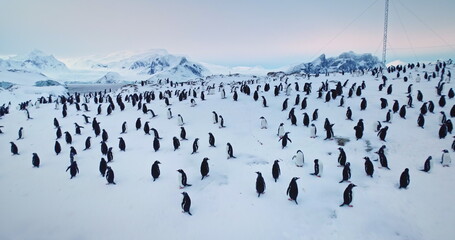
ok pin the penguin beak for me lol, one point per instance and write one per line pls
(353, 185)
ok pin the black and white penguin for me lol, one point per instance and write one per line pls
(176, 143)
(285, 104)
(182, 133)
(346, 173)
(427, 165)
(169, 113)
(384, 103)
(304, 104)
(68, 138)
(121, 144)
(74, 169)
(156, 144)
(229, 151)
(19, 133)
(377, 126)
(293, 190)
(403, 112)
(317, 168)
(358, 132)
(443, 131)
(204, 168)
(260, 184)
(78, 129)
(342, 157)
(14, 149)
(284, 140)
(388, 116)
(313, 131)
(57, 148)
(182, 179)
(349, 114)
(442, 117)
(396, 106)
(104, 148)
(431, 106)
(35, 160)
(195, 146)
(306, 120)
(180, 121)
(58, 132)
(264, 101)
(155, 171)
(315, 115)
(211, 140)
(221, 121)
(186, 203)
(103, 167)
(138, 124)
(369, 169)
(280, 130)
(146, 128)
(124, 127)
(110, 155)
(110, 175)
(382, 158)
(363, 104)
(442, 101)
(87, 143)
(404, 179)
(341, 102)
(263, 123)
(276, 171)
(104, 136)
(446, 160)
(421, 120)
(389, 89)
(347, 195)
(56, 123)
(214, 117)
(383, 133)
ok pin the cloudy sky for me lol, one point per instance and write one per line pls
(268, 33)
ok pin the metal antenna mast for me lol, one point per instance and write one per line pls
(384, 43)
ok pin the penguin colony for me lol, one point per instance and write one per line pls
(302, 116)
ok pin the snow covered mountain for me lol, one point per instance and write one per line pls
(34, 61)
(110, 77)
(346, 62)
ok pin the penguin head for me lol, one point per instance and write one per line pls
(445, 151)
(316, 160)
(366, 158)
(120, 138)
(406, 169)
(261, 118)
(351, 185)
(295, 178)
(180, 170)
(276, 161)
(281, 124)
(205, 159)
(11, 143)
(184, 193)
(34, 154)
(259, 173)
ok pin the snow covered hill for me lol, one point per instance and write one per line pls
(44, 203)
(348, 61)
(36, 60)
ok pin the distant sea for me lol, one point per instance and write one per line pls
(86, 88)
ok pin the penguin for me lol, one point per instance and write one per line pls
(377, 126)
(235, 96)
(313, 131)
(349, 114)
(442, 101)
(87, 143)
(421, 120)
(264, 102)
(211, 140)
(78, 129)
(328, 129)
(388, 117)
(104, 148)
(443, 131)
(346, 173)
(369, 169)
(404, 179)
(315, 115)
(297, 99)
(73, 153)
(410, 101)
(424, 108)
(193, 102)
(57, 148)
(383, 159)
(221, 121)
(384, 103)
(306, 120)
(342, 157)
(182, 179)
(396, 106)
(317, 168)
(195, 146)
(363, 104)
(304, 104)
(204, 168)
(263, 123)
(347, 195)
(146, 128)
(383, 133)
(103, 167)
(182, 134)
(260, 184)
(445, 158)
(138, 123)
(284, 140)
(431, 106)
(281, 130)
(20, 133)
(110, 175)
(293, 190)
(176, 143)
(121, 144)
(285, 104)
(14, 149)
(156, 144)
(155, 171)
(276, 171)
(214, 117)
(124, 128)
(230, 151)
(427, 165)
(56, 123)
(104, 136)
(186, 203)
(68, 138)
(449, 126)
(293, 120)
(110, 155)
(403, 112)
(389, 89)
(442, 117)
(180, 120)
(358, 132)
(35, 160)
(299, 158)
(341, 102)
(74, 169)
